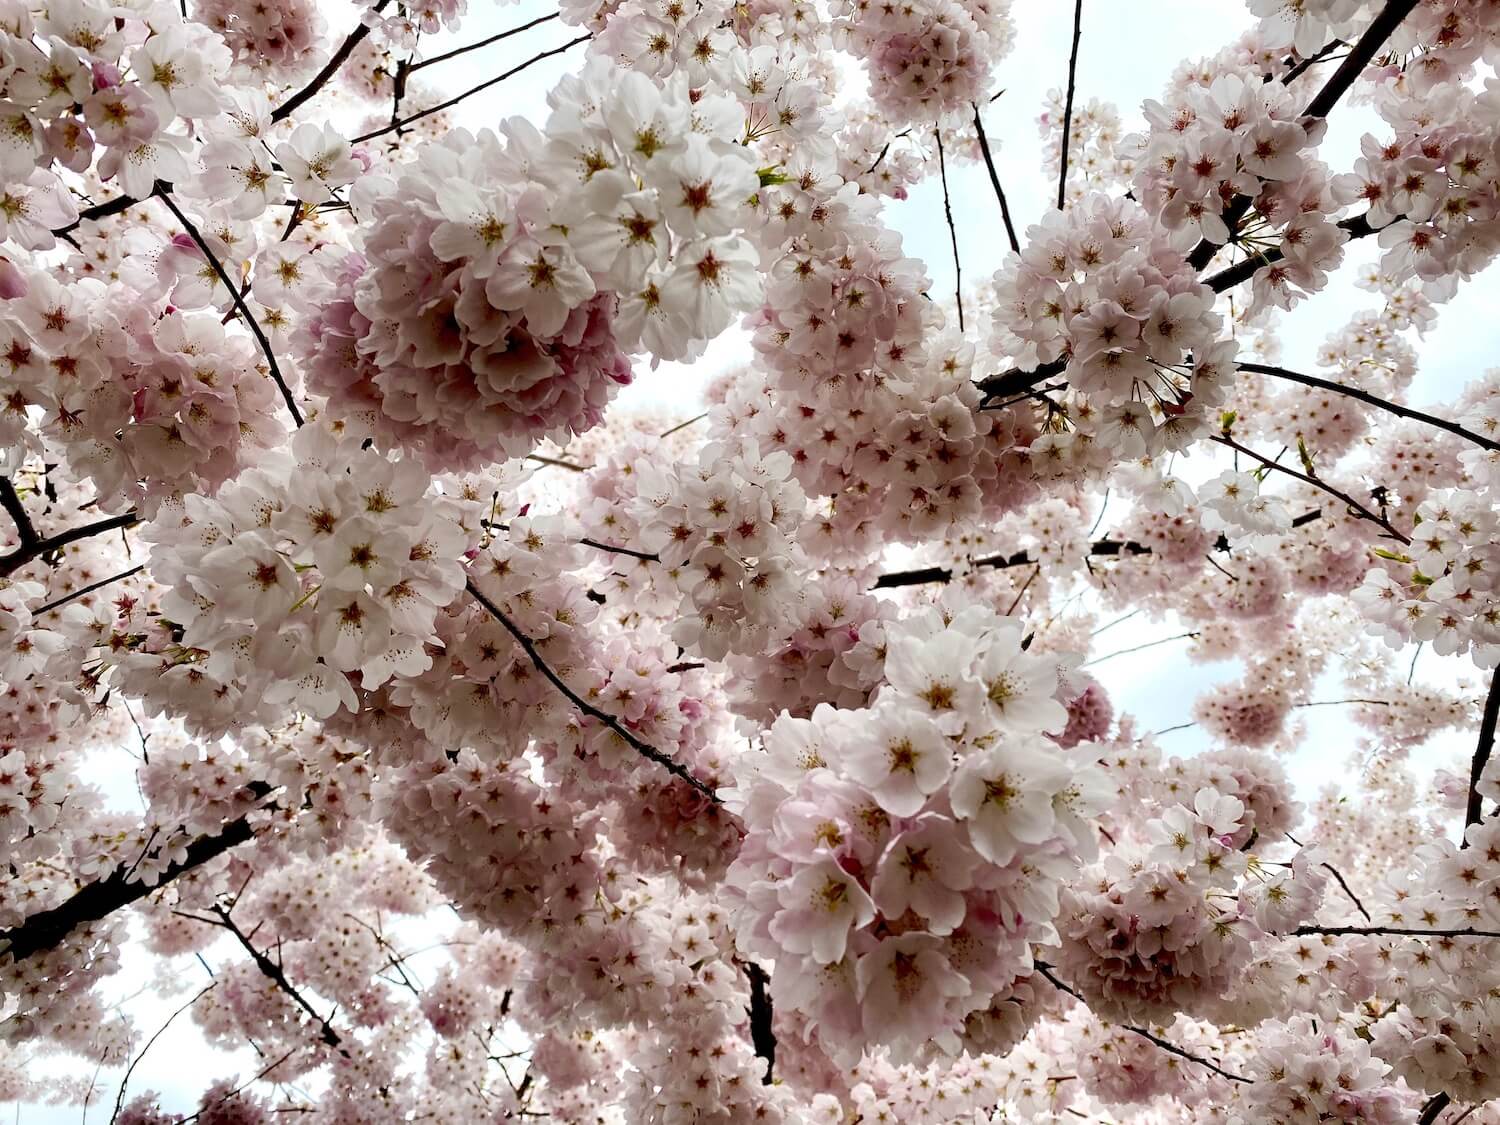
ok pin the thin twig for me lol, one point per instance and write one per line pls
(11, 501)
(1373, 400)
(453, 54)
(682, 425)
(958, 269)
(337, 60)
(274, 972)
(1353, 897)
(239, 303)
(1062, 179)
(1354, 505)
(645, 749)
(89, 589)
(1170, 1047)
(1137, 648)
(989, 163)
(129, 1070)
(451, 102)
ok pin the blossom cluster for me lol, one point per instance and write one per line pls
(887, 847)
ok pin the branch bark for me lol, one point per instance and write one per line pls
(96, 901)
(1062, 177)
(24, 554)
(340, 56)
(1474, 811)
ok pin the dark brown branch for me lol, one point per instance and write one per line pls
(645, 749)
(453, 54)
(1373, 400)
(1170, 1047)
(274, 972)
(1435, 1106)
(645, 556)
(1354, 505)
(451, 102)
(1474, 811)
(98, 900)
(18, 558)
(239, 302)
(958, 269)
(1359, 57)
(1354, 897)
(339, 57)
(1394, 931)
(762, 1035)
(89, 589)
(1062, 178)
(1357, 226)
(989, 163)
(1312, 60)
(1102, 547)
(109, 207)
(17, 512)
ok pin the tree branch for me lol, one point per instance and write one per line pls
(1474, 811)
(1062, 178)
(1165, 1045)
(1359, 57)
(958, 269)
(18, 558)
(1354, 505)
(89, 589)
(453, 54)
(1392, 931)
(1373, 400)
(98, 900)
(1435, 1106)
(239, 302)
(274, 972)
(340, 56)
(18, 514)
(1103, 547)
(762, 1035)
(645, 749)
(989, 163)
(451, 102)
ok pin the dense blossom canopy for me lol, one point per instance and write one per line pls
(501, 753)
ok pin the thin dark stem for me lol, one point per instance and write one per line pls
(1062, 178)
(337, 60)
(17, 512)
(1322, 53)
(1394, 931)
(989, 163)
(89, 589)
(18, 558)
(1138, 648)
(453, 54)
(1353, 897)
(274, 972)
(958, 269)
(129, 1070)
(1357, 226)
(644, 556)
(239, 303)
(1354, 505)
(1474, 812)
(558, 462)
(451, 102)
(1373, 400)
(1359, 57)
(682, 425)
(1171, 1048)
(645, 749)
(920, 577)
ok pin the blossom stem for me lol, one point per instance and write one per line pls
(1374, 400)
(239, 302)
(989, 163)
(335, 62)
(645, 749)
(1062, 177)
